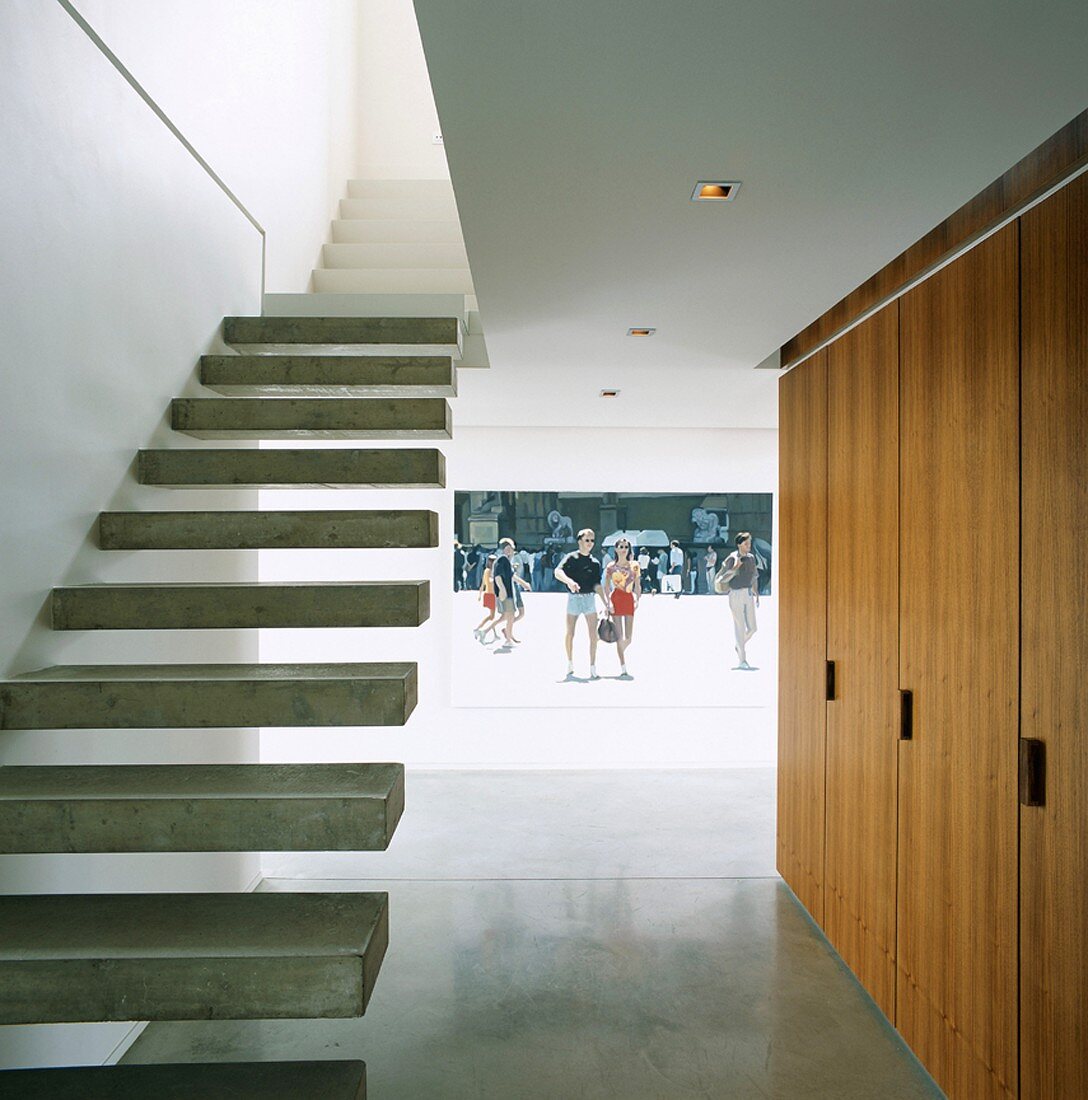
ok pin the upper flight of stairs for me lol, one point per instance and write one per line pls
(262, 955)
(396, 236)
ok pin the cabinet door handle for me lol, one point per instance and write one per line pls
(906, 716)
(830, 694)
(1032, 771)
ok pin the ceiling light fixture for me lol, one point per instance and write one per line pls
(715, 191)
(610, 393)
(641, 331)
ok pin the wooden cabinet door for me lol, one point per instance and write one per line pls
(956, 989)
(802, 580)
(1054, 655)
(863, 643)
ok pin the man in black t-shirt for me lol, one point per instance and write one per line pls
(508, 601)
(581, 574)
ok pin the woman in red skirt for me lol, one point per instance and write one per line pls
(623, 587)
(487, 594)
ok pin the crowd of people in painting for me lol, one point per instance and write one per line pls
(614, 581)
(695, 567)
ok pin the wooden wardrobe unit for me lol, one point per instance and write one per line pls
(910, 564)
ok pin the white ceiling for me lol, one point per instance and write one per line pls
(575, 130)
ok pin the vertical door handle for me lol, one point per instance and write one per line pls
(830, 695)
(906, 716)
(1032, 771)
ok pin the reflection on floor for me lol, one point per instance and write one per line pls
(584, 935)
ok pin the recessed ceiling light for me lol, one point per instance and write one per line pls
(715, 191)
(641, 331)
(610, 393)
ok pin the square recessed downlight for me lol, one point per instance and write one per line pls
(641, 331)
(715, 191)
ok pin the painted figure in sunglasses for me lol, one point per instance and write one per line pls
(580, 572)
(623, 587)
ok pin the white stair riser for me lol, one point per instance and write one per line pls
(395, 231)
(394, 256)
(400, 206)
(404, 281)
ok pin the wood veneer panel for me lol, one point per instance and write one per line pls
(956, 991)
(1058, 156)
(1054, 654)
(802, 580)
(863, 641)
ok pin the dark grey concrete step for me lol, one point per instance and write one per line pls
(94, 957)
(326, 467)
(200, 808)
(345, 335)
(214, 696)
(331, 375)
(336, 530)
(238, 606)
(190, 1081)
(311, 417)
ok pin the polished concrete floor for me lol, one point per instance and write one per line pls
(584, 935)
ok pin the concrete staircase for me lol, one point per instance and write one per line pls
(198, 956)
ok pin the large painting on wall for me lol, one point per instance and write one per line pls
(613, 599)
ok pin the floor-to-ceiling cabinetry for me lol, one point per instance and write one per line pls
(862, 552)
(958, 639)
(802, 637)
(1054, 645)
(934, 569)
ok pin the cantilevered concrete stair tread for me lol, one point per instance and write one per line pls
(331, 375)
(311, 417)
(339, 530)
(332, 467)
(97, 957)
(257, 604)
(199, 808)
(340, 1080)
(346, 335)
(209, 696)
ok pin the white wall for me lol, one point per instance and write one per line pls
(398, 118)
(439, 734)
(265, 91)
(120, 258)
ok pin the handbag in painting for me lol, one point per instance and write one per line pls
(725, 575)
(606, 630)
